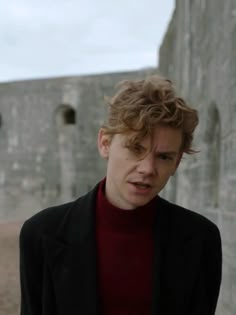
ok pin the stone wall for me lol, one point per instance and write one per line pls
(48, 135)
(198, 53)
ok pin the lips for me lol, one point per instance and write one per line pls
(141, 185)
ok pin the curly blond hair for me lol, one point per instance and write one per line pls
(139, 106)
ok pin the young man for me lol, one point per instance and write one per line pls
(121, 249)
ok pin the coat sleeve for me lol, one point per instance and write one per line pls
(207, 289)
(31, 262)
(213, 267)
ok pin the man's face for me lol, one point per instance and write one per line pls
(136, 174)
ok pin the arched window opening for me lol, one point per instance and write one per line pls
(212, 138)
(65, 115)
(65, 118)
(69, 116)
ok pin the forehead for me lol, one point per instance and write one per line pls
(166, 138)
(163, 138)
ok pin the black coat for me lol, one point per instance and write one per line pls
(58, 261)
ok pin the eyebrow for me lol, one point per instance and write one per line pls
(167, 152)
(161, 152)
(173, 153)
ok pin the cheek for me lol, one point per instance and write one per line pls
(120, 163)
(166, 172)
(115, 163)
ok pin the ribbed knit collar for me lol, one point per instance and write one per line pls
(108, 214)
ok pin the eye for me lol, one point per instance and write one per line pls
(137, 148)
(165, 157)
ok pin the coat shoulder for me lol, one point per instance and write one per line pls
(48, 220)
(190, 220)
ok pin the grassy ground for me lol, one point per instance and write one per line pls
(9, 268)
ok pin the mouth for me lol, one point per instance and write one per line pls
(141, 185)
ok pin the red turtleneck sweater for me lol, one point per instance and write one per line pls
(125, 257)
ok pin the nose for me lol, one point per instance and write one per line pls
(147, 165)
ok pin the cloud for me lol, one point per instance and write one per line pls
(42, 38)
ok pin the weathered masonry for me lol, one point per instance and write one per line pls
(199, 53)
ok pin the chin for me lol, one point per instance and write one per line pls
(139, 203)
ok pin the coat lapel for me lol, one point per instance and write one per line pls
(71, 259)
(160, 245)
(177, 258)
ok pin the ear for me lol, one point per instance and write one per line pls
(104, 141)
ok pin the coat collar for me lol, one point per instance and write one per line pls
(71, 257)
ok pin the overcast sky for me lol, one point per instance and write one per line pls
(71, 37)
